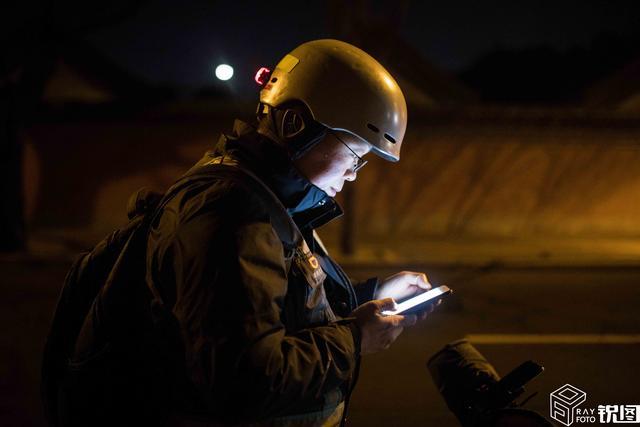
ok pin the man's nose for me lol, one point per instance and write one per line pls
(350, 175)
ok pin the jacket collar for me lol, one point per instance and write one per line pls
(308, 205)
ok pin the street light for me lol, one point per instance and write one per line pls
(224, 72)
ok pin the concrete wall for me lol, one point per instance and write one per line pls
(79, 176)
(459, 181)
(494, 182)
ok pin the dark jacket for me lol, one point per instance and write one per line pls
(262, 325)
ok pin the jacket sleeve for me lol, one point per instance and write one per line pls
(365, 290)
(230, 285)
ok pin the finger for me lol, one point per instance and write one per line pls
(427, 310)
(434, 304)
(395, 333)
(386, 304)
(408, 320)
(392, 321)
(430, 307)
(399, 322)
(418, 279)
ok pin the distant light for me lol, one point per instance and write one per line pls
(262, 75)
(224, 71)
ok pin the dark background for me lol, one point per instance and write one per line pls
(519, 185)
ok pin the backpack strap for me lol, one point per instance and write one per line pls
(282, 223)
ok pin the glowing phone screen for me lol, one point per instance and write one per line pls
(418, 299)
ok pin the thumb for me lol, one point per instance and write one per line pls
(386, 304)
(422, 281)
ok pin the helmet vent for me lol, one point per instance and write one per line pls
(373, 128)
(389, 138)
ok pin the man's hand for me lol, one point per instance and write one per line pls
(403, 285)
(378, 332)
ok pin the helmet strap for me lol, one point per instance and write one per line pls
(293, 127)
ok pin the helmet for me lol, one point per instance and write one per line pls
(344, 89)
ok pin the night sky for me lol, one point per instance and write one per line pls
(178, 44)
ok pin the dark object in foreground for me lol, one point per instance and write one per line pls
(474, 391)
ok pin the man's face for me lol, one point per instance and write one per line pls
(331, 162)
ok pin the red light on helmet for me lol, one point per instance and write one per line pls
(262, 76)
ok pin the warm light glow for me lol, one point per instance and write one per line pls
(224, 72)
(389, 81)
(262, 75)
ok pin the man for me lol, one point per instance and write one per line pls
(265, 339)
(238, 315)
(273, 334)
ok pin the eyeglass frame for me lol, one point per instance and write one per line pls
(360, 162)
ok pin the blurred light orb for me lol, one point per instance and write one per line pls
(224, 72)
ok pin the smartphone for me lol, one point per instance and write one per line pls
(417, 303)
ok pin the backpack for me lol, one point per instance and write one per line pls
(129, 360)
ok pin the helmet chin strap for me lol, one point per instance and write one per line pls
(291, 127)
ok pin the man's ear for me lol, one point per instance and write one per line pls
(293, 124)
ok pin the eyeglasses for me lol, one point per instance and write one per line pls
(359, 162)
